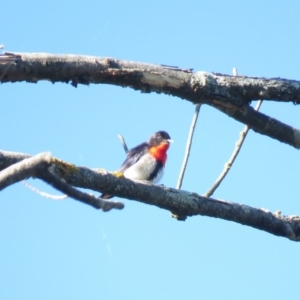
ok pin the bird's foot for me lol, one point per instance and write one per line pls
(118, 174)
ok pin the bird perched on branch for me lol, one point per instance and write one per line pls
(147, 160)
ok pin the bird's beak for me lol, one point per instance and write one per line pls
(170, 141)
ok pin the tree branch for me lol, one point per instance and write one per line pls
(43, 194)
(79, 69)
(60, 185)
(29, 167)
(188, 146)
(179, 202)
(229, 94)
(38, 167)
(235, 153)
(261, 123)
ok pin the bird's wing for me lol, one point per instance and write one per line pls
(134, 155)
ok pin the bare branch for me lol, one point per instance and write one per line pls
(229, 94)
(43, 194)
(235, 153)
(79, 69)
(6, 58)
(37, 166)
(262, 123)
(188, 146)
(78, 195)
(24, 169)
(8, 158)
(179, 202)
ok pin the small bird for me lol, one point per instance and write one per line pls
(147, 160)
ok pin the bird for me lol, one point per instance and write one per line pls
(147, 160)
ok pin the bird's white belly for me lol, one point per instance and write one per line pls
(143, 169)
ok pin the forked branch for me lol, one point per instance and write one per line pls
(180, 203)
(39, 166)
(229, 94)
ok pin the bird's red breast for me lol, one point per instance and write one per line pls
(160, 152)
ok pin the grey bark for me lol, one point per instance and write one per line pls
(17, 167)
(180, 203)
(229, 94)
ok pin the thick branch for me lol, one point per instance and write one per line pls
(180, 203)
(29, 167)
(229, 94)
(79, 69)
(38, 167)
(8, 158)
(261, 123)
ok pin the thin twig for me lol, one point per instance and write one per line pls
(235, 153)
(43, 194)
(188, 146)
(123, 143)
(64, 187)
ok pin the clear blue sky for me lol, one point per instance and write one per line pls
(66, 250)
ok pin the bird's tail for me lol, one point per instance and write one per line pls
(105, 196)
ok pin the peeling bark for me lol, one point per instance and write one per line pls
(229, 94)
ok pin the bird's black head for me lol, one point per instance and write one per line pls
(159, 137)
